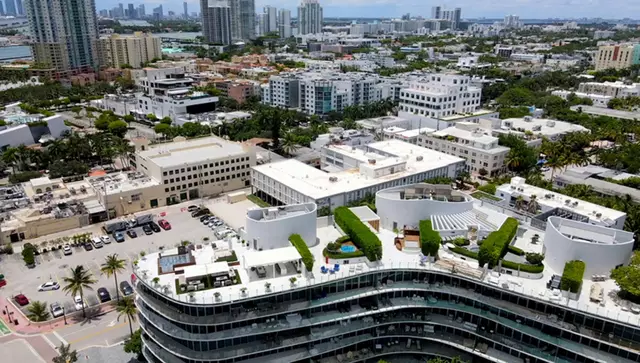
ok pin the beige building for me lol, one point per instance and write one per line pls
(189, 169)
(470, 142)
(617, 56)
(134, 50)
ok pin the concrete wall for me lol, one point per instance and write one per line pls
(600, 258)
(16, 136)
(56, 125)
(274, 233)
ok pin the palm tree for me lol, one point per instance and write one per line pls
(38, 311)
(514, 160)
(66, 355)
(112, 266)
(79, 280)
(289, 144)
(127, 307)
(555, 163)
(533, 205)
(10, 158)
(519, 202)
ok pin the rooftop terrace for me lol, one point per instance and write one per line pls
(192, 151)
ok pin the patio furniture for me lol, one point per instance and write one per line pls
(323, 269)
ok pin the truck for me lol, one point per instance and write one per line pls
(140, 220)
(116, 225)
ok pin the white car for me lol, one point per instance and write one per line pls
(56, 310)
(49, 286)
(66, 250)
(105, 239)
(79, 303)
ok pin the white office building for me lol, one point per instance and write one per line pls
(351, 173)
(539, 127)
(616, 89)
(597, 99)
(24, 133)
(284, 23)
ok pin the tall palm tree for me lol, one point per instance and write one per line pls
(38, 311)
(79, 280)
(127, 307)
(514, 160)
(519, 202)
(555, 163)
(533, 205)
(112, 266)
(289, 144)
(9, 156)
(65, 354)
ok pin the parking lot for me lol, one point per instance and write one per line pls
(54, 266)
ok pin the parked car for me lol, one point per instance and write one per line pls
(66, 249)
(97, 242)
(21, 300)
(118, 236)
(103, 294)
(88, 246)
(49, 286)
(154, 227)
(164, 224)
(56, 310)
(105, 239)
(205, 218)
(192, 208)
(77, 300)
(131, 233)
(126, 288)
(147, 230)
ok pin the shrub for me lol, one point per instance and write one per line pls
(28, 254)
(516, 251)
(361, 235)
(8, 249)
(460, 242)
(572, 276)
(465, 252)
(495, 246)
(488, 188)
(24, 176)
(429, 239)
(523, 267)
(534, 258)
(343, 239)
(303, 250)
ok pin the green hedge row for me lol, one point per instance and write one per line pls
(572, 276)
(343, 239)
(465, 252)
(515, 250)
(303, 250)
(361, 235)
(430, 240)
(534, 269)
(495, 246)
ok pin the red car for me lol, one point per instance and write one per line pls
(21, 300)
(164, 224)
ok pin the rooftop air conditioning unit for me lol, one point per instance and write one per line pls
(419, 158)
(551, 123)
(598, 215)
(333, 179)
(372, 161)
(567, 201)
(528, 118)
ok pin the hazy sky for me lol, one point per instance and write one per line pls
(470, 8)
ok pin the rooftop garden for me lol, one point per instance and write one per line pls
(300, 245)
(206, 282)
(342, 248)
(361, 235)
(430, 239)
(572, 276)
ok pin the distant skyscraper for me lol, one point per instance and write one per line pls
(132, 11)
(10, 6)
(243, 19)
(64, 33)
(2, 9)
(20, 7)
(158, 13)
(271, 19)
(406, 16)
(310, 17)
(121, 10)
(216, 21)
(436, 12)
(141, 11)
(284, 23)
(453, 16)
(186, 9)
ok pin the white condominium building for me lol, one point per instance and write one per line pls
(468, 141)
(616, 89)
(310, 17)
(117, 50)
(440, 95)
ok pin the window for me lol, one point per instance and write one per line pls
(217, 163)
(188, 169)
(190, 185)
(217, 179)
(172, 180)
(179, 187)
(206, 181)
(166, 182)
(233, 168)
(182, 170)
(183, 178)
(227, 170)
(226, 162)
(189, 177)
(166, 190)
(135, 197)
(173, 188)
(211, 165)
(164, 173)
(170, 172)
(206, 173)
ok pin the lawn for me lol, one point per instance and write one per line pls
(482, 195)
(256, 200)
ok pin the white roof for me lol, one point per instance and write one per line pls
(547, 127)
(408, 134)
(364, 213)
(466, 135)
(314, 183)
(192, 151)
(271, 257)
(198, 270)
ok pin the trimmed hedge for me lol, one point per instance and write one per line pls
(343, 239)
(572, 276)
(28, 254)
(495, 246)
(534, 269)
(515, 250)
(465, 252)
(361, 235)
(303, 250)
(430, 240)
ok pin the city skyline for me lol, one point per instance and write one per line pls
(542, 9)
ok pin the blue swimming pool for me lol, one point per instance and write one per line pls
(347, 249)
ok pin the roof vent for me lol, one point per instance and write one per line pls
(333, 179)
(551, 123)
(528, 118)
(419, 158)
(372, 161)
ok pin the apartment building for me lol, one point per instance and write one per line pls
(616, 89)
(466, 140)
(440, 95)
(189, 169)
(282, 91)
(136, 50)
(239, 90)
(617, 56)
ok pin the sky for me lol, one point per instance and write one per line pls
(526, 9)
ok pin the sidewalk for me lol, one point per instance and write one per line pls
(26, 327)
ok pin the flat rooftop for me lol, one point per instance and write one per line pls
(600, 111)
(122, 182)
(271, 213)
(481, 112)
(194, 151)
(543, 126)
(316, 184)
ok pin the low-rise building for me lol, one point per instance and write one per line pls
(238, 90)
(24, 129)
(598, 178)
(617, 56)
(338, 135)
(597, 99)
(539, 127)
(616, 89)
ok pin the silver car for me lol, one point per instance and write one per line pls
(49, 286)
(56, 310)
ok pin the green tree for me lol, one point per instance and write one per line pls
(289, 144)
(76, 110)
(129, 118)
(79, 280)
(162, 128)
(166, 120)
(65, 354)
(152, 117)
(615, 104)
(134, 345)
(38, 311)
(118, 128)
(112, 266)
(127, 307)
(534, 258)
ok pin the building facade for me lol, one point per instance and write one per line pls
(216, 21)
(310, 17)
(136, 50)
(284, 23)
(617, 56)
(64, 34)
(243, 19)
